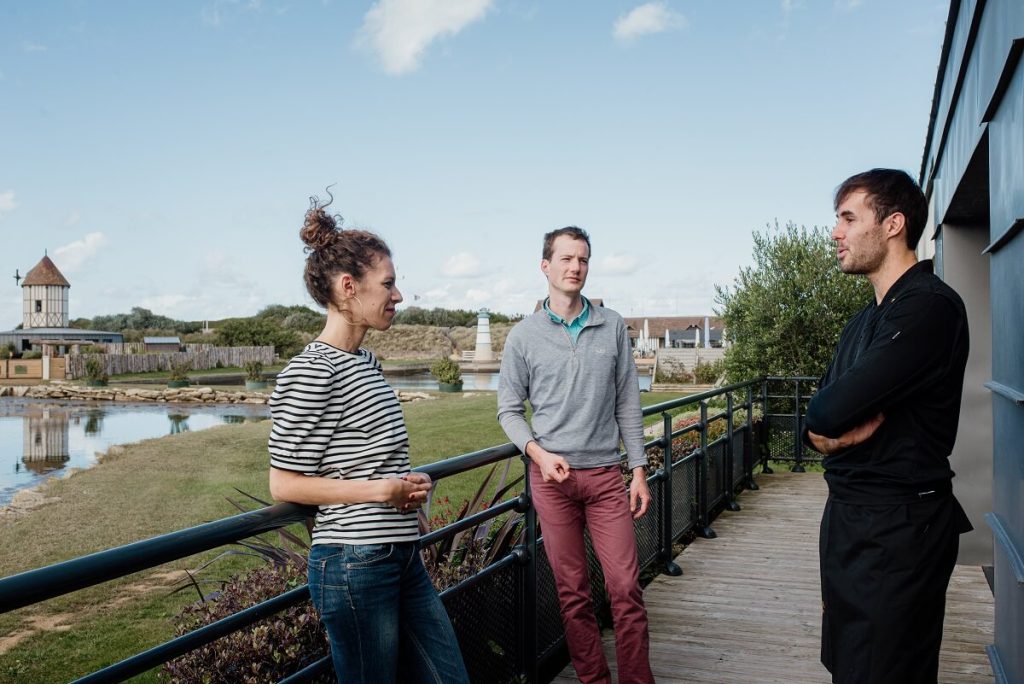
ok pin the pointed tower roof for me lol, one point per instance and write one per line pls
(45, 273)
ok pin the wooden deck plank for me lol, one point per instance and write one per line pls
(747, 609)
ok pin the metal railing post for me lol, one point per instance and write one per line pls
(666, 498)
(703, 500)
(528, 586)
(730, 457)
(766, 449)
(798, 444)
(748, 442)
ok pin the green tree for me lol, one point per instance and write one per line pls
(258, 332)
(784, 314)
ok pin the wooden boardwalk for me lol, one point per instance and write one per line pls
(747, 609)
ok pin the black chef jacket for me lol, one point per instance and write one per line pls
(904, 357)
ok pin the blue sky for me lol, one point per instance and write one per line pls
(164, 153)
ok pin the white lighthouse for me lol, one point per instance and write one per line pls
(483, 337)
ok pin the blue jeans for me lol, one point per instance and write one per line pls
(384, 620)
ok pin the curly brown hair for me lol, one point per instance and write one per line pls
(332, 250)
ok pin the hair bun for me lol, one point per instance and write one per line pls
(320, 229)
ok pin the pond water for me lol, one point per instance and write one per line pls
(40, 439)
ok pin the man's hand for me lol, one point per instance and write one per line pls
(553, 468)
(851, 438)
(639, 493)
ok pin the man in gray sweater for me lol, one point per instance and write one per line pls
(572, 360)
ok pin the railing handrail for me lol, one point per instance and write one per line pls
(54, 580)
(33, 586)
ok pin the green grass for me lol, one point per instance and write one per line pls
(166, 484)
(158, 375)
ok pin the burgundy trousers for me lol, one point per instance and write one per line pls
(596, 498)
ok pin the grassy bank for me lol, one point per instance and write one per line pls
(162, 485)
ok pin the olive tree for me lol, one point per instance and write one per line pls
(784, 314)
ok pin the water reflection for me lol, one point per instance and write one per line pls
(179, 422)
(40, 439)
(46, 441)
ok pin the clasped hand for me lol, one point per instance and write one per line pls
(409, 492)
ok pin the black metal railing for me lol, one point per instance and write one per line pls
(506, 616)
(785, 403)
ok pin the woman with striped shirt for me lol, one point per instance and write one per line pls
(339, 442)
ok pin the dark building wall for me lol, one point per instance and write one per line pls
(973, 169)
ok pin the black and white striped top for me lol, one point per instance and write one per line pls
(335, 416)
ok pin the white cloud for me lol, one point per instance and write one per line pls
(653, 17)
(437, 293)
(29, 46)
(461, 265)
(618, 264)
(162, 304)
(477, 297)
(72, 256)
(848, 5)
(72, 219)
(791, 5)
(400, 31)
(7, 203)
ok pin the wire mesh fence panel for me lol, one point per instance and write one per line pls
(781, 433)
(717, 476)
(684, 497)
(485, 616)
(647, 532)
(738, 466)
(550, 633)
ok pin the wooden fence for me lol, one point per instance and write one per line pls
(204, 357)
(140, 347)
(51, 368)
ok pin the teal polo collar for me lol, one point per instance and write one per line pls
(577, 323)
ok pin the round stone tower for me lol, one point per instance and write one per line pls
(45, 296)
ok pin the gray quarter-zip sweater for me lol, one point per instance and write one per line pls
(585, 396)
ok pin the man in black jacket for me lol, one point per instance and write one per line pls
(886, 419)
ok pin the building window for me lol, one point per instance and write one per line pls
(39, 306)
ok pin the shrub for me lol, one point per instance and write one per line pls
(179, 370)
(95, 370)
(446, 371)
(707, 373)
(253, 370)
(463, 554)
(32, 355)
(679, 376)
(94, 349)
(7, 351)
(266, 651)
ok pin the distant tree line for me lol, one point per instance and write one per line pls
(287, 328)
(446, 318)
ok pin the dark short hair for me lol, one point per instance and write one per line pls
(572, 231)
(890, 191)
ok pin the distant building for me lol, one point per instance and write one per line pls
(45, 316)
(162, 344)
(972, 172)
(678, 331)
